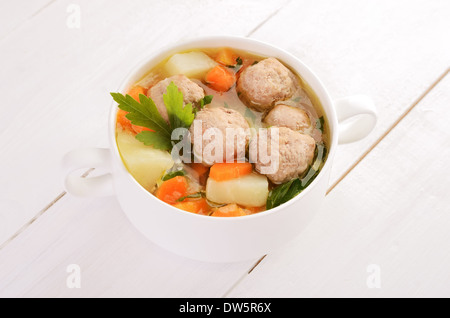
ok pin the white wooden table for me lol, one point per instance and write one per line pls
(384, 229)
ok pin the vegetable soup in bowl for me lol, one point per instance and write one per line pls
(239, 97)
(220, 147)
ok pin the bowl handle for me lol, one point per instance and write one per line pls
(85, 159)
(357, 117)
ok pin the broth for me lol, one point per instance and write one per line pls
(221, 189)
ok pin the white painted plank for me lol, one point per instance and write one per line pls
(390, 50)
(391, 211)
(115, 260)
(14, 13)
(56, 82)
(42, 273)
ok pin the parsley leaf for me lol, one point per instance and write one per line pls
(286, 191)
(179, 116)
(154, 139)
(206, 100)
(145, 113)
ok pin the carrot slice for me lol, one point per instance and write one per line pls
(199, 168)
(200, 172)
(229, 211)
(228, 171)
(139, 129)
(199, 206)
(122, 120)
(135, 91)
(173, 189)
(220, 78)
(226, 56)
(127, 125)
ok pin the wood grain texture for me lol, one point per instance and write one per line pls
(391, 211)
(60, 79)
(14, 14)
(115, 260)
(56, 91)
(391, 51)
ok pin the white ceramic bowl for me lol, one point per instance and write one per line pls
(209, 238)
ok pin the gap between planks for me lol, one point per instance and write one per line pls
(45, 6)
(405, 113)
(61, 195)
(26, 225)
(267, 19)
(413, 105)
(402, 116)
(40, 213)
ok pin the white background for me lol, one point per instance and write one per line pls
(385, 222)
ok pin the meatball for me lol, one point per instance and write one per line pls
(192, 92)
(224, 123)
(287, 116)
(295, 154)
(263, 84)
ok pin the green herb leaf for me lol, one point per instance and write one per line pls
(206, 100)
(155, 139)
(172, 174)
(180, 116)
(320, 123)
(286, 191)
(145, 113)
(319, 155)
(283, 193)
(196, 195)
(236, 67)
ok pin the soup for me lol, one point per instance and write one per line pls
(221, 132)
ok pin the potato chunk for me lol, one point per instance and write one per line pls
(145, 163)
(250, 190)
(191, 64)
